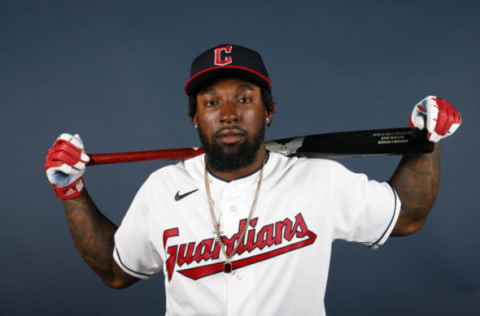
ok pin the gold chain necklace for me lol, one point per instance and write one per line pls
(227, 266)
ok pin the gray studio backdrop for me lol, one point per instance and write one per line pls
(114, 72)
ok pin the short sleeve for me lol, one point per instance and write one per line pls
(365, 210)
(134, 251)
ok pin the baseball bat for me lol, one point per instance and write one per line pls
(376, 142)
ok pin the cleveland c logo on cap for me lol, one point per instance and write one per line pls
(219, 61)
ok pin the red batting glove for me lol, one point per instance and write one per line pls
(65, 164)
(439, 116)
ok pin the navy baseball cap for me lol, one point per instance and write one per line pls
(227, 60)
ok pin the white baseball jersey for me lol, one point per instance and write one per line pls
(281, 268)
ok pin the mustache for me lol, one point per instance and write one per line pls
(230, 129)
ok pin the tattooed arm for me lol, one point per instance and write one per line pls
(416, 181)
(93, 234)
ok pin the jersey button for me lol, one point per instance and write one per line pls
(233, 208)
(239, 276)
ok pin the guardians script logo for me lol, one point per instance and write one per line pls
(272, 239)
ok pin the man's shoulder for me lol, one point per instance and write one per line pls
(281, 162)
(184, 168)
(286, 160)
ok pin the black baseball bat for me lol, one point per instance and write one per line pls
(376, 142)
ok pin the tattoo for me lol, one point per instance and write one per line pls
(416, 181)
(93, 234)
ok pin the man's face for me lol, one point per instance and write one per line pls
(231, 121)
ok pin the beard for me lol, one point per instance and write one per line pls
(231, 158)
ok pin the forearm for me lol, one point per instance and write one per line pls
(93, 235)
(416, 181)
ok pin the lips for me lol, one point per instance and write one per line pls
(230, 135)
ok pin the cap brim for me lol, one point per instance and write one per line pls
(199, 80)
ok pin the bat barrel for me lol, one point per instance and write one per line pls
(373, 142)
(377, 142)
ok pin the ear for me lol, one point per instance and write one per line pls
(269, 114)
(195, 120)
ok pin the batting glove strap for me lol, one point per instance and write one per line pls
(70, 191)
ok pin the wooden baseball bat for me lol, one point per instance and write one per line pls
(377, 142)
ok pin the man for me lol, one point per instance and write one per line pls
(239, 230)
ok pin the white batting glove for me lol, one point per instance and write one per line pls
(65, 164)
(440, 118)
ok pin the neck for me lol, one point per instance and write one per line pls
(235, 174)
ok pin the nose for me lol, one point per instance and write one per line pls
(228, 113)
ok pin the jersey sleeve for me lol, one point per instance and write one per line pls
(134, 251)
(365, 210)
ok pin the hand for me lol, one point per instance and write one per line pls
(65, 164)
(439, 116)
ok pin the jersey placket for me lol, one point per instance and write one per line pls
(235, 206)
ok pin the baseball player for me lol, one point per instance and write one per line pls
(239, 230)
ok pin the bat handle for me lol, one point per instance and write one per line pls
(167, 154)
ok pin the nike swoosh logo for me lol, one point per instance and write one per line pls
(179, 196)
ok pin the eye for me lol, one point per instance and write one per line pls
(211, 102)
(245, 99)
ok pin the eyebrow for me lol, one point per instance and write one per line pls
(207, 91)
(244, 87)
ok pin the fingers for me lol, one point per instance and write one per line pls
(69, 149)
(67, 156)
(418, 117)
(66, 160)
(74, 139)
(453, 128)
(438, 116)
(448, 117)
(74, 144)
(432, 114)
